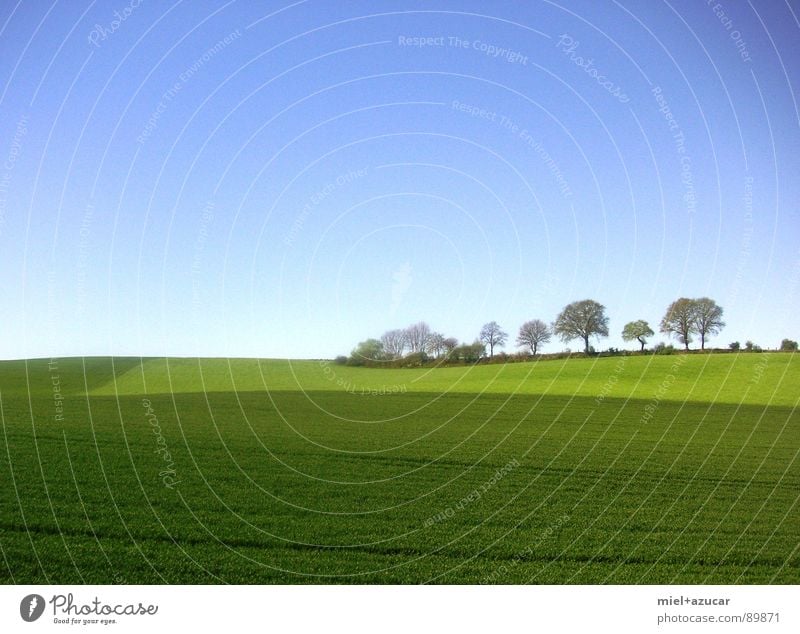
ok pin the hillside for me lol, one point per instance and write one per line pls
(755, 378)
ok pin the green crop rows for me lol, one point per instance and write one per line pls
(616, 470)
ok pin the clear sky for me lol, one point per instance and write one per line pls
(284, 179)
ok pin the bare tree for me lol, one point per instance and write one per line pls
(435, 345)
(450, 344)
(707, 319)
(492, 335)
(533, 333)
(417, 337)
(679, 320)
(637, 330)
(394, 343)
(583, 319)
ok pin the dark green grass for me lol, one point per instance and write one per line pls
(283, 486)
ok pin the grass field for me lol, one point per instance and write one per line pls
(644, 469)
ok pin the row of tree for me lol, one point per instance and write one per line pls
(684, 319)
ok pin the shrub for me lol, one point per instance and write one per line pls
(340, 360)
(468, 353)
(662, 348)
(787, 345)
(414, 360)
(734, 346)
(500, 357)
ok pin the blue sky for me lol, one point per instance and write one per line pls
(284, 179)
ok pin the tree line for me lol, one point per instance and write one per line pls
(684, 320)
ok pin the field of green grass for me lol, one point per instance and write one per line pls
(650, 469)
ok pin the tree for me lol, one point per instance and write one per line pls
(417, 337)
(532, 334)
(367, 352)
(638, 330)
(734, 345)
(450, 344)
(787, 345)
(435, 344)
(707, 318)
(394, 343)
(679, 320)
(583, 320)
(492, 335)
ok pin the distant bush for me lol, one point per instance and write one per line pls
(751, 347)
(565, 355)
(734, 346)
(414, 360)
(501, 357)
(340, 360)
(662, 348)
(467, 353)
(787, 345)
(616, 352)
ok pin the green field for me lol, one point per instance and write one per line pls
(646, 469)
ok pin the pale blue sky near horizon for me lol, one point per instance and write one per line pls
(285, 179)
